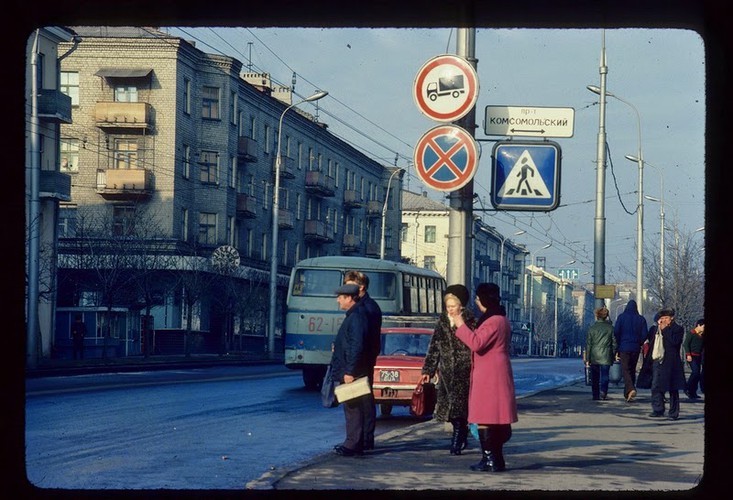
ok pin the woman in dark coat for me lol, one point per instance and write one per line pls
(668, 372)
(450, 359)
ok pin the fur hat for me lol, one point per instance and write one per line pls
(488, 294)
(459, 291)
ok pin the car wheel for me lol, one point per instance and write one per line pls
(385, 409)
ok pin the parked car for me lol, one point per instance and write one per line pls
(399, 365)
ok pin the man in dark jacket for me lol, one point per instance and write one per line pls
(694, 346)
(669, 374)
(630, 332)
(351, 360)
(374, 345)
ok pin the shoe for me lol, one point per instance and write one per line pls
(368, 446)
(656, 414)
(346, 452)
(604, 396)
(675, 417)
(693, 396)
(631, 395)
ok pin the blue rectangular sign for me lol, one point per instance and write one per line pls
(526, 176)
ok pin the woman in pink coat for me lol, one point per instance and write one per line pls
(491, 401)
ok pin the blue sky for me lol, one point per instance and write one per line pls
(369, 74)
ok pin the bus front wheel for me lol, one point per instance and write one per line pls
(313, 377)
(385, 409)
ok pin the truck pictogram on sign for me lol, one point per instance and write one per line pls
(450, 85)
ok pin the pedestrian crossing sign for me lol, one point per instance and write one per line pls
(526, 176)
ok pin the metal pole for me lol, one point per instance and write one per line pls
(275, 227)
(384, 212)
(557, 291)
(599, 238)
(460, 218)
(531, 302)
(34, 215)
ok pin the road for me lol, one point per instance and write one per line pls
(214, 428)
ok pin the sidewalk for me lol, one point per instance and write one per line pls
(563, 441)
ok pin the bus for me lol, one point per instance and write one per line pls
(407, 295)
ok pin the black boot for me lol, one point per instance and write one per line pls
(487, 457)
(463, 438)
(455, 444)
(503, 434)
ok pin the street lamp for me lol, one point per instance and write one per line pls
(384, 210)
(275, 226)
(640, 204)
(501, 258)
(531, 298)
(661, 217)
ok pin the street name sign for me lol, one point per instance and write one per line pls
(446, 88)
(529, 121)
(446, 157)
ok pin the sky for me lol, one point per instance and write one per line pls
(370, 73)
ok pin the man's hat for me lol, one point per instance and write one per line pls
(347, 290)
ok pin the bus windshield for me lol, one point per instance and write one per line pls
(323, 282)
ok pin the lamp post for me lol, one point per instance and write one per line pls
(640, 203)
(531, 298)
(501, 257)
(275, 226)
(384, 211)
(661, 229)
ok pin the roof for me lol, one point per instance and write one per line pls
(414, 201)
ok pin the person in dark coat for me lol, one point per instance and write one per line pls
(78, 332)
(351, 360)
(630, 332)
(668, 371)
(694, 346)
(600, 350)
(450, 359)
(374, 344)
(644, 379)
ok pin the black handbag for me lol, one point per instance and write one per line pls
(423, 400)
(328, 397)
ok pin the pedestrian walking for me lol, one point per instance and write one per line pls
(350, 360)
(600, 351)
(78, 332)
(492, 404)
(668, 373)
(630, 332)
(694, 345)
(450, 359)
(374, 344)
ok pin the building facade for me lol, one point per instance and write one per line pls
(174, 150)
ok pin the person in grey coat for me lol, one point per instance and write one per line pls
(450, 359)
(668, 371)
(600, 350)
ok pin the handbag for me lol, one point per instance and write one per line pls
(328, 396)
(357, 388)
(658, 351)
(423, 400)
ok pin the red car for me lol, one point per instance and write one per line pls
(399, 365)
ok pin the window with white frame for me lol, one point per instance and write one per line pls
(186, 170)
(69, 85)
(429, 262)
(184, 224)
(232, 172)
(233, 108)
(69, 149)
(126, 93)
(210, 102)
(67, 221)
(429, 234)
(125, 153)
(268, 133)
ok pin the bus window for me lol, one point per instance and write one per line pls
(431, 294)
(316, 282)
(414, 299)
(381, 285)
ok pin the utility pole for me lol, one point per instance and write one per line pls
(460, 219)
(34, 215)
(599, 238)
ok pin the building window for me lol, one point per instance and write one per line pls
(252, 128)
(268, 132)
(429, 262)
(207, 228)
(232, 172)
(187, 96)
(310, 158)
(186, 171)
(67, 222)
(209, 167)
(184, 224)
(210, 103)
(69, 155)
(233, 108)
(230, 231)
(125, 94)
(69, 85)
(336, 174)
(403, 233)
(298, 207)
(125, 153)
(300, 156)
(122, 220)
(429, 234)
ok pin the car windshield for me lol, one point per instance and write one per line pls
(410, 344)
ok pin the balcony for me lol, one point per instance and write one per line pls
(54, 105)
(352, 199)
(246, 206)
(317, 231)
(373, 249)
(287, 167)
(512, 297)
(374, 208)
(55, 185)
(285, 219)
(247, 149)
(486, 260)
(351, 244)
(512, 273)
(319, 184)
(125, 184)
(115, 115)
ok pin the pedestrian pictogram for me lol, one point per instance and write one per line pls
(526, 176)
(446, 158)
(446, 88)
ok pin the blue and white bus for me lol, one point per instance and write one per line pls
(407, 295)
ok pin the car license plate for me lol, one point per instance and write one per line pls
(389, 375)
